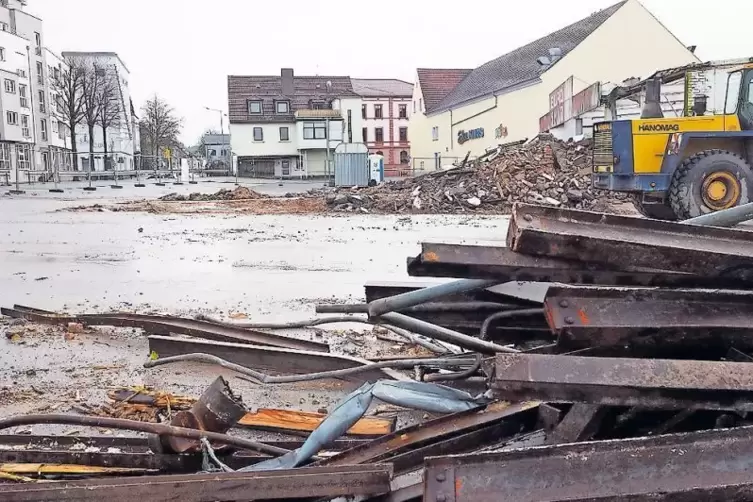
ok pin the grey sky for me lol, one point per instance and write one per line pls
(184, 49)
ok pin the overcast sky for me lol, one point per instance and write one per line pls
(183, 50)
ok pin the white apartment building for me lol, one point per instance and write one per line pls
(289, 126)
(121, 145)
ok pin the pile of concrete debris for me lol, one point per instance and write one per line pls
(240, 193)
(542, 171)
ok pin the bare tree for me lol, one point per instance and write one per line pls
(94, 78)
(69, 88)
(160, 127)
(109, 107)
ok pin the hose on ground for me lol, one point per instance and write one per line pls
(505, 314)
(308, 377)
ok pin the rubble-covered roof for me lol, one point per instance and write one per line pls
(382, 87)
(436, 83)
(521, 65)
(268, 89)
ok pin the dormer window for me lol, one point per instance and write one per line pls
(282, 106)
(254, 107)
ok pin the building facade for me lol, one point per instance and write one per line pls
(217, 150)
(289, 126)
(504, 99)
(386, 111)
(120, 144)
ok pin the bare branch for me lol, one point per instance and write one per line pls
(159, 125)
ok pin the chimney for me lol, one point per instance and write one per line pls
(287, 82)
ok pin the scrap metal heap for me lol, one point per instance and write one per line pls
(588, 357)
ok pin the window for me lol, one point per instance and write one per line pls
(40, 73)
(363, 111)
(284, 134)
(23, 156)
(421, 105)
(22, 94)
(404, 157)
(54, 127)
(12, 118)
(258, 134)
(4, 26)
(435, 133)
(38, 38)
(42, 104)
(2, 53)
(254, 107)
(4, 156)
(25, 131)
(21, 73)
(285, 165)
(733, 92)
(56, 74)
(43, 129)
(378, 111)
(402, 111)
(365, 133)
(403, 134)
(282, 106)
(314, 130)
(99, 71)
(10, 86)
(379, 135)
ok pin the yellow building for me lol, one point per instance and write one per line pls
(457, 111)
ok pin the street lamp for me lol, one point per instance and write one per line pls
(222, 131)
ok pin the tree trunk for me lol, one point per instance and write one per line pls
(91, 150)
(74, 147)
(104, 139)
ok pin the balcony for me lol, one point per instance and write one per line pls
(308, 114)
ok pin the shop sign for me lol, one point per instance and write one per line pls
(586, 100)
(464, 136)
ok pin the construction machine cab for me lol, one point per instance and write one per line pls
(686, 166)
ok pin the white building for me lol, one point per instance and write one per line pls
(288, 126)
(120, 144)
(386, 112)
(504, 99)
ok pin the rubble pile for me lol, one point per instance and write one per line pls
(542, 171)
(239, 193)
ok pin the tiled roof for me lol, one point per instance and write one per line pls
(382, 87)
(268, 89)
(521, 65)
(436, 83)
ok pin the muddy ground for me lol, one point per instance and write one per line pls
(272, 267)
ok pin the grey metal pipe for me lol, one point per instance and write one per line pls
(724, 218)
(468, 306)
(444, 334)
(357, 308)
(413, 298)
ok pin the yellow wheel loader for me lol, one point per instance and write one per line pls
(682, 167)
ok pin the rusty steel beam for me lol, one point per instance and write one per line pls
(692, 467)
(272, 485)
(270, 358)
(647, 383)
(432, 432)
(501, 263)
(581, 423)
(165, 325)
(165, 463)
(588, 316)
(623, 242)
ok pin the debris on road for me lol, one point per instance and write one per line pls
(239, 193)
(639, 351)
(542, 171)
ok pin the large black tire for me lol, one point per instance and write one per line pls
(653, 211)
(686, 196)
